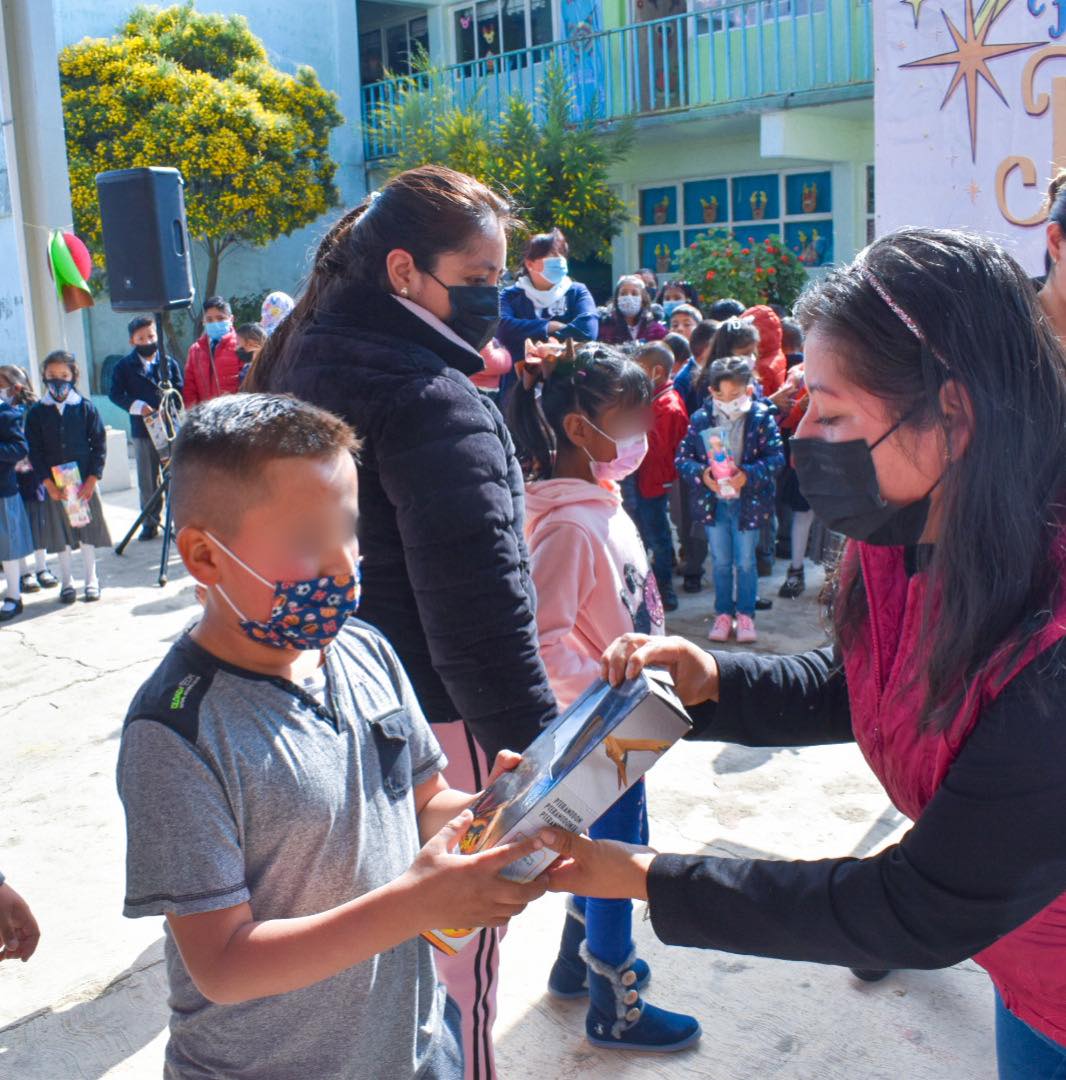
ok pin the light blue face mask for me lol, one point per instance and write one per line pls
(670, 306)
(216, 331)
(555, 269)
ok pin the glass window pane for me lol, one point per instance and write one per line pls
(514, 25)
(396, 41)
(464, 35)
(540, 18)
(488, 28)
(418, 36)
(371, 63)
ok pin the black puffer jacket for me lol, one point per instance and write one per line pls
(445, 566)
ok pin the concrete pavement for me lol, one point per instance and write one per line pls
(91, 1003)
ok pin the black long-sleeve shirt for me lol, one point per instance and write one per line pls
(987, 854)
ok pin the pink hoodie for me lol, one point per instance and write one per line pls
(592, 579)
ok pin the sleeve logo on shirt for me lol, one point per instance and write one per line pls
(177, 701)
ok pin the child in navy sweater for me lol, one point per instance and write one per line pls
(63, 427)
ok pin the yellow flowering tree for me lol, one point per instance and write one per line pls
(196, 92)
(553, 165)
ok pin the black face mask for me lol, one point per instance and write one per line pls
(147, 351)
(840, 482)
(244, 355)
(475, 311)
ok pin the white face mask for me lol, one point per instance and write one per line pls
(630, 305)
(732, 409)
(7, 395)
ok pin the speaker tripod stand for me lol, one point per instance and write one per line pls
(163, 429)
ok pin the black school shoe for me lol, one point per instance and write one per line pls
(794, 585)
(68, 594)
(92, 592)
(692, 584)
(47, 580)
(28, 583)
(763, 605)
(10, 609)
(869, 975)
(149, 532)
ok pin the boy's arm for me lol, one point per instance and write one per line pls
(184, 860)
(437, 804)
(191, 392)
(119, 393)
(232, 958)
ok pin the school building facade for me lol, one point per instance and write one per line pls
(755, 115)
(752, 115)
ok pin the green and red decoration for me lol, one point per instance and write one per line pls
(71, 266)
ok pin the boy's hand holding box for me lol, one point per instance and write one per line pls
(573, 773)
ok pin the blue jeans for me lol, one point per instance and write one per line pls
(654, 520)
(1022, 1052)
(733, 548)
(609, 923)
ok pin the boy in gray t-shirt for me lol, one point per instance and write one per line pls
(284, 804)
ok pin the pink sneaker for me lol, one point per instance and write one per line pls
(746, 630)
(722, 628)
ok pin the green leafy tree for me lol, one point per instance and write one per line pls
(196, 92)
(554, 165)
(719, 264)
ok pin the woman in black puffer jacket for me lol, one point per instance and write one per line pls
(402, 297)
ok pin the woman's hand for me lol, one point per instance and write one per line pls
(695, 672)
(506, 761)
(606, 869)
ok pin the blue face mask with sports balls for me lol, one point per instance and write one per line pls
(216, 331)
(305, 614)
(555, 269)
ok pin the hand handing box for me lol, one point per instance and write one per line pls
(575, 771)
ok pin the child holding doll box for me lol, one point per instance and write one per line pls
(728, 462)
(64, 429)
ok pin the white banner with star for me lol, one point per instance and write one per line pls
(970, 116)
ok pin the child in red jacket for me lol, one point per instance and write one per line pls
(657, 473)
(213, 367)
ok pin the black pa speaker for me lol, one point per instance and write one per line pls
(146, 239)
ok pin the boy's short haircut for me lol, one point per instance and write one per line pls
(791, 336)
(217, 462)
(703, 335)
(220, 303)
(679, 346)
(139, 322)
(252, 331)
(686, 309)
(726, 309)
(654, 352)
(732, 369)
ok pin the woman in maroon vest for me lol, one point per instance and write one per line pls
(936, 441)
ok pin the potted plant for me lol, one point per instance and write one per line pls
(661, 210)
(663, 260)
(758, 200)
(710, 210)
(810, 198)
(720, 264)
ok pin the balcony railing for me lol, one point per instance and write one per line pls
(764, 52)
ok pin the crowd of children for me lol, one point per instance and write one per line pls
(48, 508)
(728, 389)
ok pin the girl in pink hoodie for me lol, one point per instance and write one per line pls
(581, 425)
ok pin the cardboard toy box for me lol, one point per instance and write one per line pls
(575, 771)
